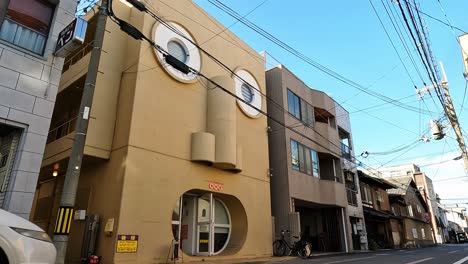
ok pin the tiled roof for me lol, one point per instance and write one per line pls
(403, 183)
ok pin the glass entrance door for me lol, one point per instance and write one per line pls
(205, 225)
(202, 224)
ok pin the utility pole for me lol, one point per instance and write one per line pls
(67, 201)
(452, 117)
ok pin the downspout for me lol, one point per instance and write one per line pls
(344, 231)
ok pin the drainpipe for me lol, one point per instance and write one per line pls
(344, 231)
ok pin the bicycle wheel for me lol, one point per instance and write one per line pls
(279, 248)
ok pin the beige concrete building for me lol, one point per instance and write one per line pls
(168, 156)
(314, 185)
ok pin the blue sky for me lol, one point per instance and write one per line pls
(346, 36)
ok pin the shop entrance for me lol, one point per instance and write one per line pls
(202, 224)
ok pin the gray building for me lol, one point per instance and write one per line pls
(29, 77)
(314, 186)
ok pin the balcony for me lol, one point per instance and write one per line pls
(352, 196)
(346, 152)
(61, 130)
(77, 56)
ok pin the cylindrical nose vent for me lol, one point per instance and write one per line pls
(221, 122)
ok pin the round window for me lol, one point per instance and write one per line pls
(247, 93)
(182, 48)
(177, 50)
(248, 89)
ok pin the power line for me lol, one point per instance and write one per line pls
(391, 41)
(440, 20)
(306, 59)
(135, 33)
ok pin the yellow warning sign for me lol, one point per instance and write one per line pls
(127, 243)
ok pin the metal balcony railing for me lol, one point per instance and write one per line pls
(345, 151)
(77, 56)
(352, 196)
(61, 130)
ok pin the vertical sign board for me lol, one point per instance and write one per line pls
(71, 37)
(127, 243)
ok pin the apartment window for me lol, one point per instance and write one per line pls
(378, 199)
(423, 233)
(418, 208)
(393, 210)
(307, 113)
(300, 109)
(315, 163)
(304, 159)
(294, 105)
(410, 210)
(366, 195)
(27, 23)
(294, 155)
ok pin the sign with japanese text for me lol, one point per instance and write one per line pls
(127, 243)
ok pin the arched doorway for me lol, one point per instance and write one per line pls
(202, 224)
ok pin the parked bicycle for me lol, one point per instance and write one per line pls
(302, 248)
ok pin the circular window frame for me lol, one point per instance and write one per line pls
(162, 36)
(257, 98)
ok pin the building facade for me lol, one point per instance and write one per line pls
(308, 168)
(383, 228)
(408, 203)
(29, 77)
(171, 160)
(426, 187)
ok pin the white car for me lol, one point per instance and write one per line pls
(24, 242)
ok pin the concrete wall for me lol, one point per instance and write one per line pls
(277, 146)
(288, 183)
(144, 119)
(28, 87)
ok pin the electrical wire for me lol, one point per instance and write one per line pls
(391, 42)
(225, 67)
(306, 59)
(440, 20)
(399, 32)
(140, 36)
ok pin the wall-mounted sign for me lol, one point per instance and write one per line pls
(71, 37)
(215, 186)
(127, 243)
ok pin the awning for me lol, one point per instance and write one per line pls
(375, 213)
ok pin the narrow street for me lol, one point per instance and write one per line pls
(445, 254)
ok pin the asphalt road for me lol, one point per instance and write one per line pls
(443, 254)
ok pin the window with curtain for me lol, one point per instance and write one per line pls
(26, 23)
